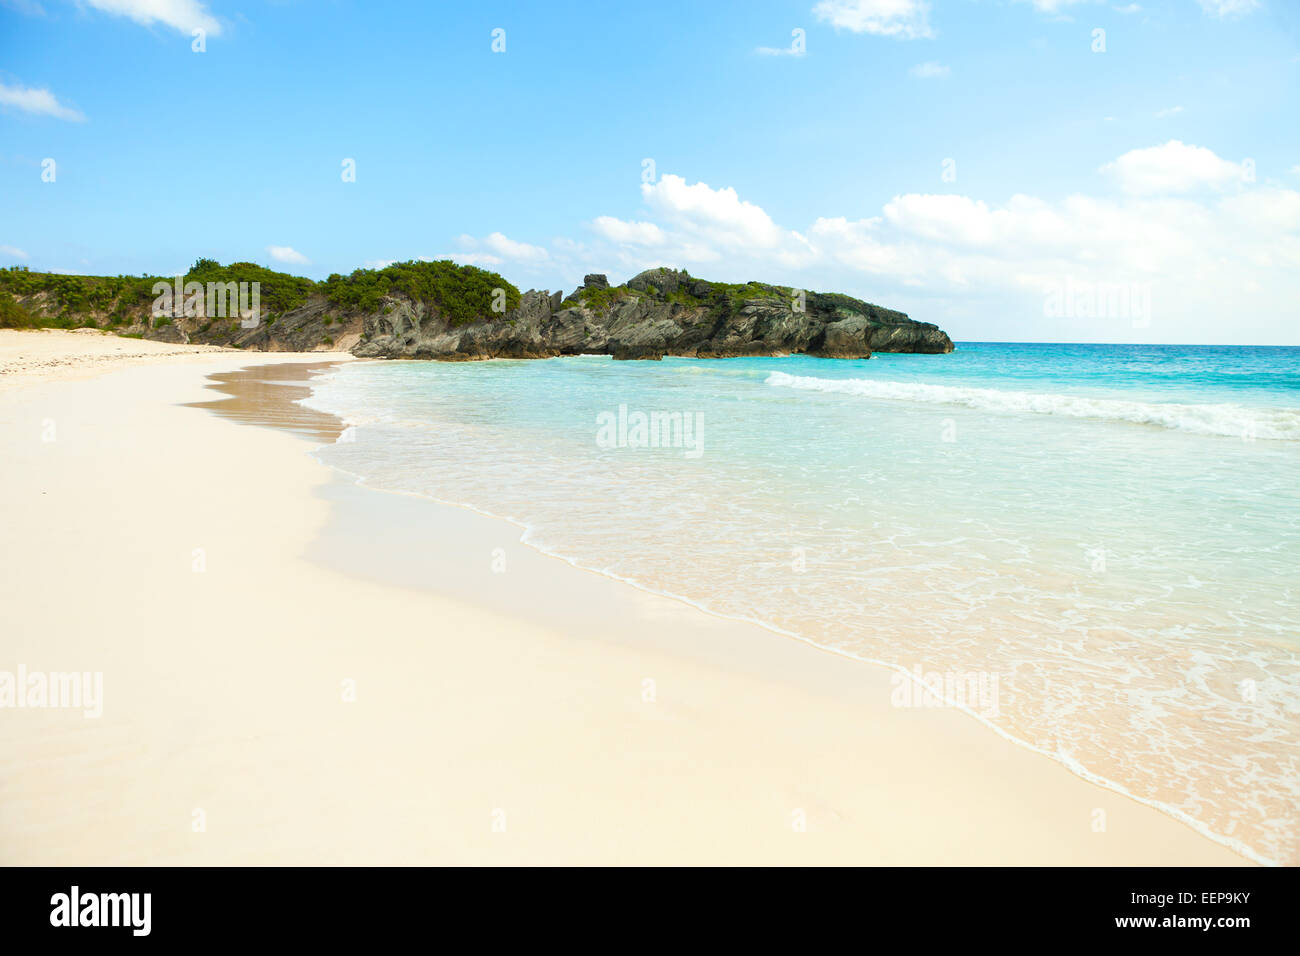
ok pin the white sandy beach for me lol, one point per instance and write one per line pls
(231, 590)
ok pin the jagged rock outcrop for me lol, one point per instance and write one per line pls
(659, 312)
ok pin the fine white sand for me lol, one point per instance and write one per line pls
(234, 592)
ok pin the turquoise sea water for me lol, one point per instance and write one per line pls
(1109, 535)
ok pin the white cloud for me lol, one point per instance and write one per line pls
(182, 15)
(719, 214)
(12, 252)
(1172, 168)
(287, 254)
(930, 71)
(1229, 8)
(1171, 111)
(39, 101)
(1272, 209)
(507, 248)
(902, 19)
(960, 220)
(1198, 260)
(1128, 9)
(635, 233)
(863, 247)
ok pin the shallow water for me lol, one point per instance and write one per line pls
(1108, 536)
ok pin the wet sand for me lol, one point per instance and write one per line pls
(269, 395)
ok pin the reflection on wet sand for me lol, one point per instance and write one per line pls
(268, 395)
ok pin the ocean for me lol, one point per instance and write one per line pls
(1105, 539)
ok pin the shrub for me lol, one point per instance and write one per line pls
(13, 315)
(460, 294)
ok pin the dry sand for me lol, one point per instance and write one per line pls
(235, 593)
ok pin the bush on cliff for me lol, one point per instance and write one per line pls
(13, 315)
(72, 298)
(277, 291)
(460, 294)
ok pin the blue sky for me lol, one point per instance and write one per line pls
(997, 167)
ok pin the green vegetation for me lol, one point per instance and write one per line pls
(460, 294)
(13, 315)
(600, 300)
(278, 291)
(748, 290)
(682, 297)
(70, 300)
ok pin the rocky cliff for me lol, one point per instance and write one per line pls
(659, 312)
(390, 314)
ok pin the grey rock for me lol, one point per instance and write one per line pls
(658, 312)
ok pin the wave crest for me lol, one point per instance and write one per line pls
(1236, 421)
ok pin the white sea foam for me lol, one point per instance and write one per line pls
(1236, 421)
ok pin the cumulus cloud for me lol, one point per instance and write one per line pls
(183, 15)
(287, 254)
(12, 252)
(1174, 167)
(635, 233)
(901, 19)
(721, 213)
(39, 101)
(497, 248)
(700, 224)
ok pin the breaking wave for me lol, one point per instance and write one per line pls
(1236, 421)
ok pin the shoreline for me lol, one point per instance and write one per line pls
(1245, 852)
(461, 710)
(337, 558)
